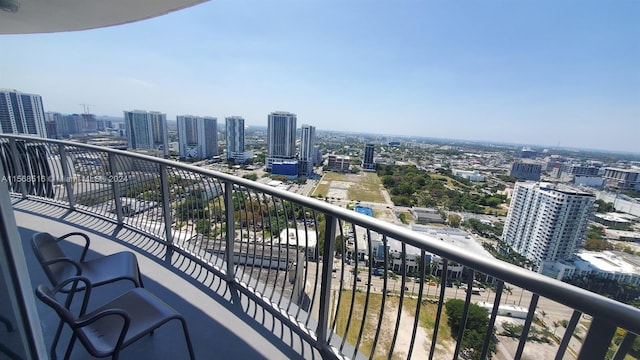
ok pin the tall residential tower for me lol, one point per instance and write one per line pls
(546, 223)
(21, 113)
(281, 137)
(367, 162)
(147, 131)
(307, 149)
(235, 139)
(197, 136)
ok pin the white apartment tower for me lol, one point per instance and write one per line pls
(307, 149)
(21, 113)
(147, 131)
(234, 136)
(197, 136)
(547, 223)
(281, 137)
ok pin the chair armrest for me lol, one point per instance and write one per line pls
(93, 317)
(75, 280)
(86, 239)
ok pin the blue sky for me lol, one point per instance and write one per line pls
(537, 72)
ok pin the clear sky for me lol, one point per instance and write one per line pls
(538, 72)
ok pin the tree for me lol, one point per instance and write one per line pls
(509, 291)
(457, 284)
(476, 327)
(454, 220)
(251, 176)
(604, 207)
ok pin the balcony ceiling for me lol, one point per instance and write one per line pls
(43, 16)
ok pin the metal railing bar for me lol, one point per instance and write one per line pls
(465, 315)
(598, 339)
(366, 299)
(416, 318)
(527, 325)
(325, 285)
(385, 273)
(230, 232)
(443, 286)
(488, 338)
(625, 346)
(403, 271)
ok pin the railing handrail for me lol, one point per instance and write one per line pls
(585, 301)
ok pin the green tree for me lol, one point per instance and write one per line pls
(251, 176)
(604, 207)
(475, 329)
(454, 220)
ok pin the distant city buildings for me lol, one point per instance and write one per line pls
(21, 113)
(338, 163)
(197, 136)
(623, 179)
(281, 138)
(307, 149)
(528, 153)
(469, 175)
(147, 131)
(367, 162)
(526, 171)
(234, 135)
(547, 223)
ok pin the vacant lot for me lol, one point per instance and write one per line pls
(355, 187)
(444, 345)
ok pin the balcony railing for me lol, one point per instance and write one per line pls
(323, 270)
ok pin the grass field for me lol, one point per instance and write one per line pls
(427, 321)
(363, 187)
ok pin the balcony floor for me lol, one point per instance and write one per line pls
(223, 322)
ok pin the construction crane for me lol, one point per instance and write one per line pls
(86, 108)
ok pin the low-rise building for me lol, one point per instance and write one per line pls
(608, 265)
(469, 175)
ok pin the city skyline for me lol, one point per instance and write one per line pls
(544, 73)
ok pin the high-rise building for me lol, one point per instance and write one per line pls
(147, 131)
(234, 136)
(281, 137)
(367, 162)
(547, 223)
(526, 171)
(197, 136)
(21, 113)
(307, 149)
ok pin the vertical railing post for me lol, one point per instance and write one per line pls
(166, 208)
(19, 175)
(66, 176)
(115, 188)
(230, 231)
(325, 286)
(598, 339)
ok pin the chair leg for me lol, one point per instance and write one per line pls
(67, 354)
(56, 338)
(187, 338)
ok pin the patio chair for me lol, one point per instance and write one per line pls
(59, 267)
(103, 270)
(115, 325)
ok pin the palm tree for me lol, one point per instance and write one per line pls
(509, 290)
(490, 288)
(457, 284)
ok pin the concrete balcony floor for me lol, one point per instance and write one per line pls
(223, 322)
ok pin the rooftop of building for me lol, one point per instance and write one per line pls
(608, 261)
